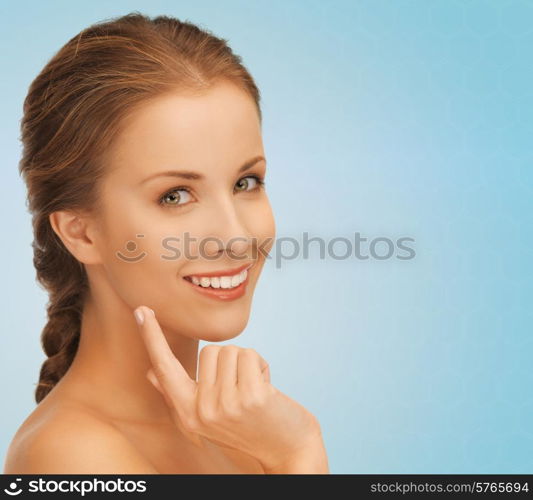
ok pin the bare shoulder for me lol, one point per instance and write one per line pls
(70, 440)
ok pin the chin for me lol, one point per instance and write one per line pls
(208, 324)
(220, 336)
(218, 331)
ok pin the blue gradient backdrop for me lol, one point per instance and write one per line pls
(387, 118)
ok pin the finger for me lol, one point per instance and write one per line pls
(227, 367)
(265, 369)
(207, 369)
(191, 436)
(250, 369)
(150, 375)
(170, 373)
(266, 374)
(153, 379)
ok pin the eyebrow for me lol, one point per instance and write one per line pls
(190, 175)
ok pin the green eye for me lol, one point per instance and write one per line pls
(180, 196)
(173, 198)
(245, 183)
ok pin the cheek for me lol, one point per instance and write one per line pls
(262, 224)
(132, 258)
(136, 271)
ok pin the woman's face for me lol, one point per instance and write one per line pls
(160, 231)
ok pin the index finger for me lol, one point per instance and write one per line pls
(169, 371)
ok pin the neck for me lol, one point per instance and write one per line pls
(109, 369)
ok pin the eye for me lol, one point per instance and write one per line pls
(181, 196)
(176, 197)
(244, 183)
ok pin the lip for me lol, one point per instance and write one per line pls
(224, 294)
(225, 272)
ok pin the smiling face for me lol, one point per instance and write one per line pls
(182, 200)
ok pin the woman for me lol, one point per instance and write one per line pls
(145, 170)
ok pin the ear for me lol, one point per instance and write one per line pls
(74, 230)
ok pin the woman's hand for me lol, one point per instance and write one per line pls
(233, 403)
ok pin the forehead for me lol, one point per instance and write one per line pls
(220, 126)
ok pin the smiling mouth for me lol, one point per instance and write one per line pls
(222, 281)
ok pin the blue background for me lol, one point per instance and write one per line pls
(388, 118)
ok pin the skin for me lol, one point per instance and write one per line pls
(105, 415)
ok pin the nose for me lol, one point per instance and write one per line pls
(230, 234)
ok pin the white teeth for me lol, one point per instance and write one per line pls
(225, 282)
(220, 281)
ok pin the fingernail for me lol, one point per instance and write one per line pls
(139, 316)
(152, 311)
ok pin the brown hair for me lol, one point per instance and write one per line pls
(72, 112)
